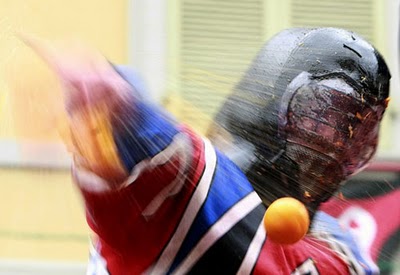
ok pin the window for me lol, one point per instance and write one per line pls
(211, 42)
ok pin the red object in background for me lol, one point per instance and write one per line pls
(369, 207)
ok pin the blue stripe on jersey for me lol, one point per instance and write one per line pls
(141, 132)
(228, 187)
(134, 79)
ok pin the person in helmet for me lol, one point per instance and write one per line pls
(306, 114)
(161, 199)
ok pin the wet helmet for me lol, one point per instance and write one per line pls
(308, 110)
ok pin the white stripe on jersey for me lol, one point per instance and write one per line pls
(199, 196)
(253, 252)
(180, 146)
(219, 229)
(97, 264)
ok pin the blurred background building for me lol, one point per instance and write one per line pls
(190, 53)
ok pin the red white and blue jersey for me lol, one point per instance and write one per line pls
(186, 208)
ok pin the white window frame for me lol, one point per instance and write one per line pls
(147, 43)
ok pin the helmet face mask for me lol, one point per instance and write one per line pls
(330, 129)
(310, 105)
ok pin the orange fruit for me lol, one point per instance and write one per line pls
(286, 221)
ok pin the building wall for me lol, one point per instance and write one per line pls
(41, 215)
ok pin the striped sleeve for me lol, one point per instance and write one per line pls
(220, 224)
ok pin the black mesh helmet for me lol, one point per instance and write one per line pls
(309, 106)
